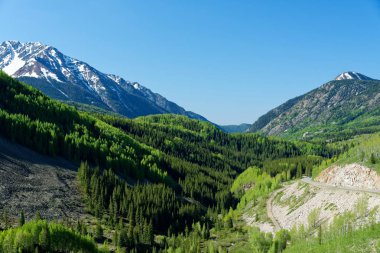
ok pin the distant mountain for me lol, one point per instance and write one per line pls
(65, 78)
(235, 128)
(352, 76)
(350, 103)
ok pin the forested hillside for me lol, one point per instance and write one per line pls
(337, 110)
(144, 177)
(36, 121)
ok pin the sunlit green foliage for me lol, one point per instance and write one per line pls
(294, 167)
(366, 150)
(267, 243)
(363, 149)
(41, 236)
(252, 184)
(342, 235)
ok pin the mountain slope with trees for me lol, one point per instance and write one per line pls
(154, 175)
(338, 109)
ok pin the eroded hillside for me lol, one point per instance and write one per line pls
(337, 190)
(294, 205)
(32, 182)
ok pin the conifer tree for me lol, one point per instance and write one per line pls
(373, 159)
(98, 231)
(38, 216)
(22, 219)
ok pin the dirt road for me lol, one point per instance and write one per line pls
(310, 181)
(276, 224)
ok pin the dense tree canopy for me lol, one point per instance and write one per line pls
(151, 175)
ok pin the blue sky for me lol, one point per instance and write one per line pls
(230, 61)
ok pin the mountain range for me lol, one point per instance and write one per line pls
(335, 106)
(241, 128)
(71, 80)
(350, 102)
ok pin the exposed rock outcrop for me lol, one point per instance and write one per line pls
(351, 175)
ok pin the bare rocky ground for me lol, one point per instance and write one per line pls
(33, 182)
(351, 175)
(293, 205)
(338, 189)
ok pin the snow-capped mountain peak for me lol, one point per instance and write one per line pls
(33, 59)
(23, 60)
(350, 75)
(66, 78)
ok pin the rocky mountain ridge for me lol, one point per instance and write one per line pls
(68, 79)
(337, 102)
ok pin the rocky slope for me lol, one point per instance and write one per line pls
(337, 102)
(32, 182)
(65, 78)
(351, 175)
(293, 205)
(338, 189)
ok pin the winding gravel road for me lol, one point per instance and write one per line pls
(310, 181)
(276, 224)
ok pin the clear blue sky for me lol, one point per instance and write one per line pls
(230, 61)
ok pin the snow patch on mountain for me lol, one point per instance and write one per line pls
(48, 75)
(63, 77)
(15, 64)
(137, 86)
(352, 76)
